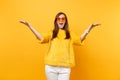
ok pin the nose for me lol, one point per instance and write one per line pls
(61, 19)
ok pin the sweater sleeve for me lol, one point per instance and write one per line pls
(76, 39)
(46, 37)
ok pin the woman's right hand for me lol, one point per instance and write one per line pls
(24, 22)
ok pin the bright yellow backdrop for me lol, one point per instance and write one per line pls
(21, 55)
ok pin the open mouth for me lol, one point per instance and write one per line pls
(60, 23)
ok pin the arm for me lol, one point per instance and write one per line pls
(38, 36)
(83, 36)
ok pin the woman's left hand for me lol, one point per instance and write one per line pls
(94, 25)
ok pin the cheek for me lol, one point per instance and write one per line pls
(57, 22)
(64, 21)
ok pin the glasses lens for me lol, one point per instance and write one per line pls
(62, 19)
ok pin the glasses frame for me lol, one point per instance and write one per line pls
(63, 19)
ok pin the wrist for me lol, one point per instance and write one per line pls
(87, 31)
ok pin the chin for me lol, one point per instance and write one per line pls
(61, 26)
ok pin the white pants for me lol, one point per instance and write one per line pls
(57, 73)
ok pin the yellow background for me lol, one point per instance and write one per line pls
(21, 55)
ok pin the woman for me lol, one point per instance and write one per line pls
(60, 56)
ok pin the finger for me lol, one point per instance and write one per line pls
(98, 24)
(22, 21)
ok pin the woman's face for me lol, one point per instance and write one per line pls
(61, 20)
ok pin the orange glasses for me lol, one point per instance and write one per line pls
(61, 19)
